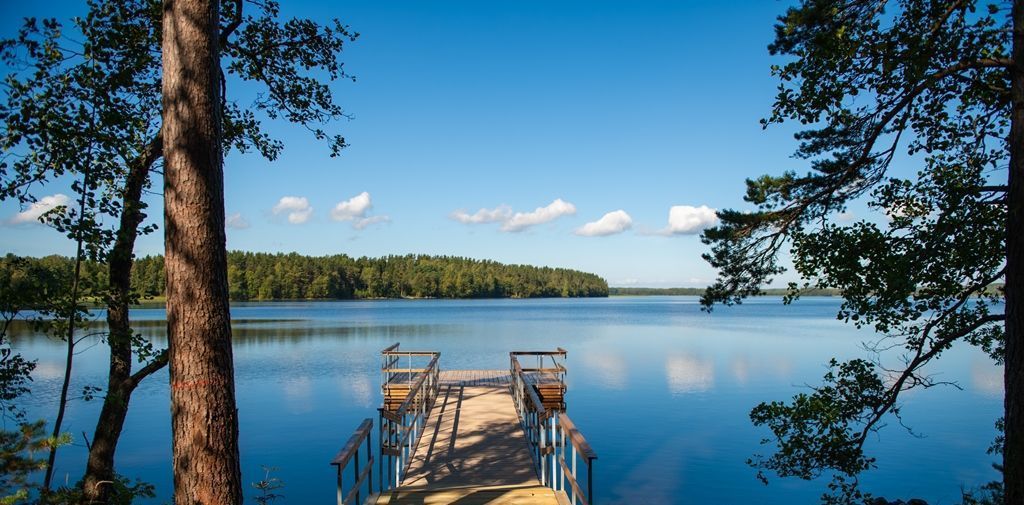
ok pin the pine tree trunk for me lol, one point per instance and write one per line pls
(204, 421)
(1013, 450)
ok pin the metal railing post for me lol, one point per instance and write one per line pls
(540, 453)
(341, 488)
(561, 482)
(590, 481)
(355, 475)
(369, 452)
(574, 473)
(554, 460)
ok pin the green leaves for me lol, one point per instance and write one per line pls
(874, 81)
(819, 432)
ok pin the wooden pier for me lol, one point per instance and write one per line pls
(469, 436)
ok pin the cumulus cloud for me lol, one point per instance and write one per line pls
(297, 207)
(611, 223)
(356, 210)
(498, 214)
(367, 221)
(352, 209)
(236, 221)
(36, 209)
(515, 222)
(523, 220)
(689, 220)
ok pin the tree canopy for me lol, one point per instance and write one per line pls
(880, 85)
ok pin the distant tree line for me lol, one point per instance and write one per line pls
(263, 276)
(700, 291)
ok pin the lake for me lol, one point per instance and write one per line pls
(661, 390)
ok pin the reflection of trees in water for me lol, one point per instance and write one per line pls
(264, 331)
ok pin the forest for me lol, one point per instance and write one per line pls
(264, 276)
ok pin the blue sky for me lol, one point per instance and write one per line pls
(545, 115)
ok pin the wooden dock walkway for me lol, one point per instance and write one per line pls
(472, 449)
(468, 437)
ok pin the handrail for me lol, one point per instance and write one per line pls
(413, 390)
(401, 427)
(350, 453)
(576, 437)
(559, 352)
(581, 448)
(546, 432)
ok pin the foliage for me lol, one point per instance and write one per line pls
(82, 106)
(925, 81)
(261, 276)
(123, 491)
(268, 486)
(17, 459)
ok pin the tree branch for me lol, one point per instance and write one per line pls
(158, 362)
(231, 27)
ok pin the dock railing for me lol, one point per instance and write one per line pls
(401, 427)
(548, 430)
(349, 453)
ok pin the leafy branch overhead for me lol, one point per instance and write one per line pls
(81, 104)
(925, 83)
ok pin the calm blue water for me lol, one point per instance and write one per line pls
(660, 390)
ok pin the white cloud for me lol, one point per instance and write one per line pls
(519, 221)
(236, 221)
(36, 209)
(498, 214)
(523, 220)
(298, 209)
(353, 208)
(609, 224)
(367, 221)
(688, 220)
(356, 210)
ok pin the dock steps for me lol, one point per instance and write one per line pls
(473, 495)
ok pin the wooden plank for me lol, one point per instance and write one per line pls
(577, 438)
(472, 437)
(391, 347)
(390, 416)
(473, 495)
(353, 443)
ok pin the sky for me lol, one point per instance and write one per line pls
(596, 135)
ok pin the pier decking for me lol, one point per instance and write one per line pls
(472, 449)
(470, 436)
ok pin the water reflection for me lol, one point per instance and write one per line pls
(611, 370)
(689, 374)
(987, 378)
(741, 370)
(361, 390)
(662, 391)
(298, 394)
